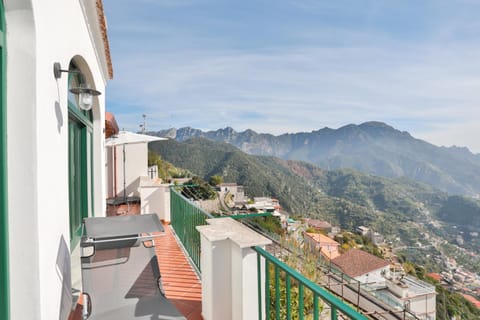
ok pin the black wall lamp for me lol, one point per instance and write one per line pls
(84, 92)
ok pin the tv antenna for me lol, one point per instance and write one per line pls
(143, 127)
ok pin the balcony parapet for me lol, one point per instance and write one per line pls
(229, 270)
(228, 228)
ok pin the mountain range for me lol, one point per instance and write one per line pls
(371, 147)
(406, 212)
(397, 207)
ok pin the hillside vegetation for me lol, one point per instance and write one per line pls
(396, 207)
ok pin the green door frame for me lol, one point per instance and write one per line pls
(80, 135)
(4, 285)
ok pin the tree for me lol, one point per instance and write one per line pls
(153, 158)
(215, 180)
(198, 189)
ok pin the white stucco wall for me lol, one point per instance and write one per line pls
(424, 306)
(229, 270)
(40, 33)
(155, 198)
(134, 167)
(109, 172)
(374, 276)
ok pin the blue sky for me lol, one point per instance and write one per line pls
(282, 66)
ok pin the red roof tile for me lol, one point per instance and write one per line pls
(322, 239)
(356, 262)
(475, 302)
(434, 276)
(111, 126)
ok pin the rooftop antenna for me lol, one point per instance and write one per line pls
(144, 125)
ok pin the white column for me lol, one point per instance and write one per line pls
(216, 284)
(155, 198)
(229, 270)
(244, 283)
(166, 203)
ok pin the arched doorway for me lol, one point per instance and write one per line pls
(80, 137)
(80, 170)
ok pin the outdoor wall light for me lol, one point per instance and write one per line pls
(84, 92)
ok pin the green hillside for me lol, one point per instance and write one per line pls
(394, 207)
(371, 147)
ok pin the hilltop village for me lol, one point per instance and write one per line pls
(362, 257)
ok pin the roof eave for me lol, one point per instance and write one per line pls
(103, 29)
(97, 27)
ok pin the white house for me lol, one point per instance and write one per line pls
(363, 266)
(327, 246)
(51, 151)
(126, 156)
(236, 191)
(415, 295)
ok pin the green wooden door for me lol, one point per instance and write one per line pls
(80, 179)
(77, 179)
(4, 290)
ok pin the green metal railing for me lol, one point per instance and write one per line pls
(284, 293)
(185, 216)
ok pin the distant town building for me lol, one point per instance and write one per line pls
(319, 225)
(319, 242)
(362, 230)
(435, 276)
(363, 266)
(292, 224)
(237, 192)
(375, 237)
(402, 292)
(459, 240)
(414, 295)
(334, 232)
(265, 204)
(473, 300)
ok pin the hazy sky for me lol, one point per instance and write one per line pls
(298, 65)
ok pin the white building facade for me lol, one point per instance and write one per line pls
(51, 152)
(415, 295)
(125, 164)
(374, 277)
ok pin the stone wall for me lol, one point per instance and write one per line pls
(209, 205)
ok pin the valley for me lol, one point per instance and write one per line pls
(419, 223)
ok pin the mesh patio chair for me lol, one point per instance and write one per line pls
(120, 276)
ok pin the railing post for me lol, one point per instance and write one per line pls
(229, 270)
(260, 286)
(215, 263)
(333, 313)
(304, 307)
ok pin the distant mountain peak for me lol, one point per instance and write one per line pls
(229, 129)
(376, 124)
(372, 147)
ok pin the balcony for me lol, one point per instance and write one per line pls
(240, 279)
(217, 268)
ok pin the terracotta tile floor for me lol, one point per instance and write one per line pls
(180, 282)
